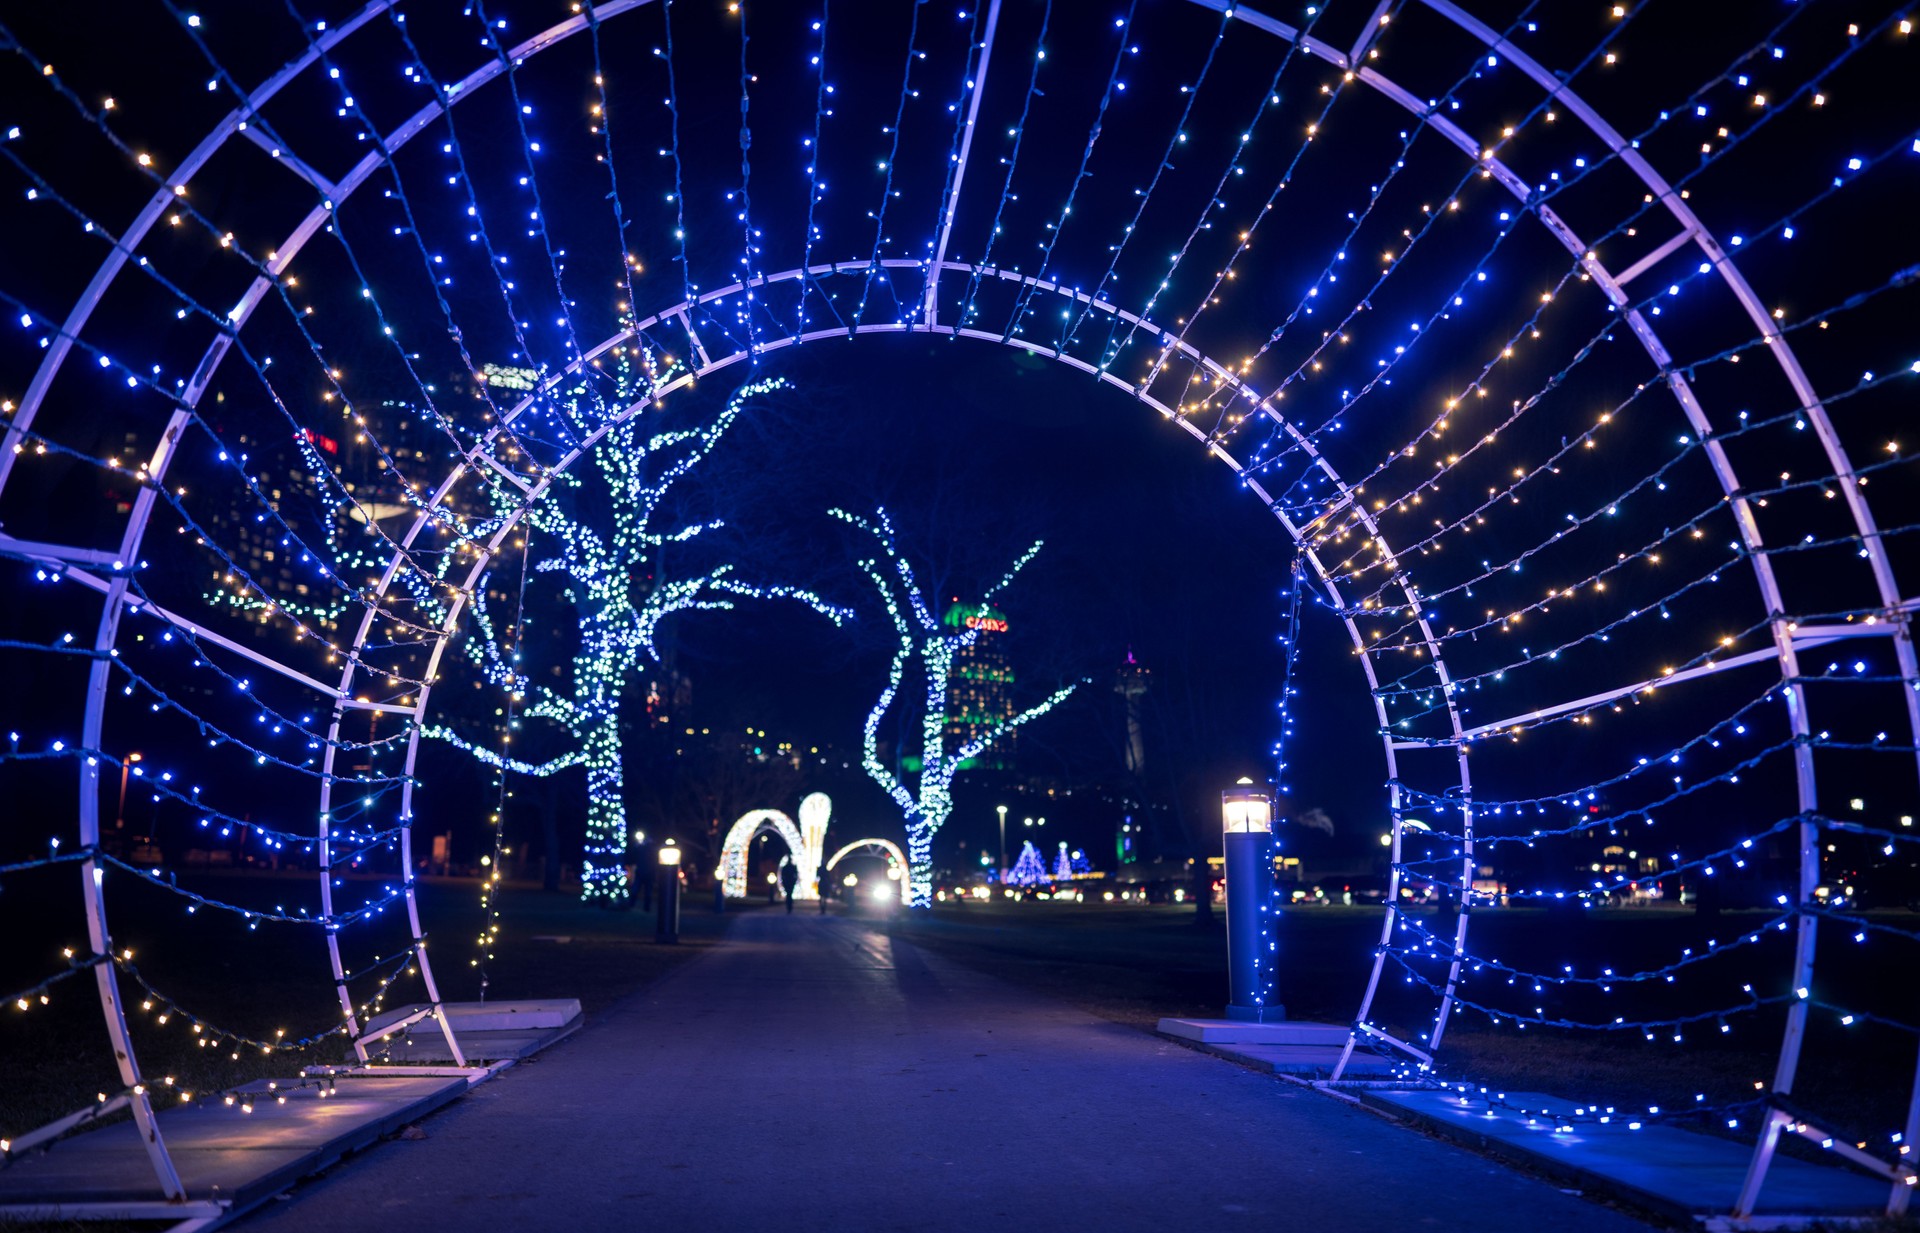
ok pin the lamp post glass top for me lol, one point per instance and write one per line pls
(669, 856)
(1245, 809)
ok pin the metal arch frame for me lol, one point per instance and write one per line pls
(888, 848)
(1891, 601)
(116, 599)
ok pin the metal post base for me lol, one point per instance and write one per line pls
(1257, 1014)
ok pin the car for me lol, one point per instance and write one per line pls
(1351, 889)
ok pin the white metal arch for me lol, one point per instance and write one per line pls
(1611, 283)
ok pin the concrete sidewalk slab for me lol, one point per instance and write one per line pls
(1309, 1050)
(1678, 1173)
(1232, 1031)
(487, 1031)
(231, 1155)
(811, 1073)
(1306, 1061)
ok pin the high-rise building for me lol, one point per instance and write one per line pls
(274, 534)
(980, 686)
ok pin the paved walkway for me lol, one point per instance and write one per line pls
(811, 1074)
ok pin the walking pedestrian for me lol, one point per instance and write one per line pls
(789, 882)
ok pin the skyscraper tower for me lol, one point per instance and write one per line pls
(1132, 685)
(980, 686)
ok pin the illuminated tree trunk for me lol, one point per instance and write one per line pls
(920, 861)
(603, 869)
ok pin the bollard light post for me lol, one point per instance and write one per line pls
(1247, 817)
(666, 923)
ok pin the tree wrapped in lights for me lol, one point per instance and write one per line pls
(926, 644)
(618, 620)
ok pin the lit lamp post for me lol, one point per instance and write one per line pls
(1247, 814)
(666, 924)
(1002, 811)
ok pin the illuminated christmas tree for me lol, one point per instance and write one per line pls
(1029, 869)
(632, 473)
(928, 645)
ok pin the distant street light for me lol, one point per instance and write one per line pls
(1002, 811)
(666, 922)
(120, 814)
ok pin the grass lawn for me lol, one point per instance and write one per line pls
(55, 1059)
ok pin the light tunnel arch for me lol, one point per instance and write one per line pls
(896, 860)
(804, 844)
(288, 251)
(115, 582)
(733, 851)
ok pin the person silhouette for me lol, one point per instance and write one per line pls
(789, 881)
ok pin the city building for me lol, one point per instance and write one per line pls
(980, 686)
(270, 532)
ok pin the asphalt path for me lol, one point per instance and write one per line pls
(810, 1073)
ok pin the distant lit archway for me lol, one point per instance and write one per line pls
(895, 858)
(804, 842)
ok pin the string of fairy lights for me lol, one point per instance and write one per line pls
(1348, 570)
(1018, 132)
(1784, 227)
(1559, 183)
(1430, 219)
(1113, 87)
(186, 209)
(1401, 513)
